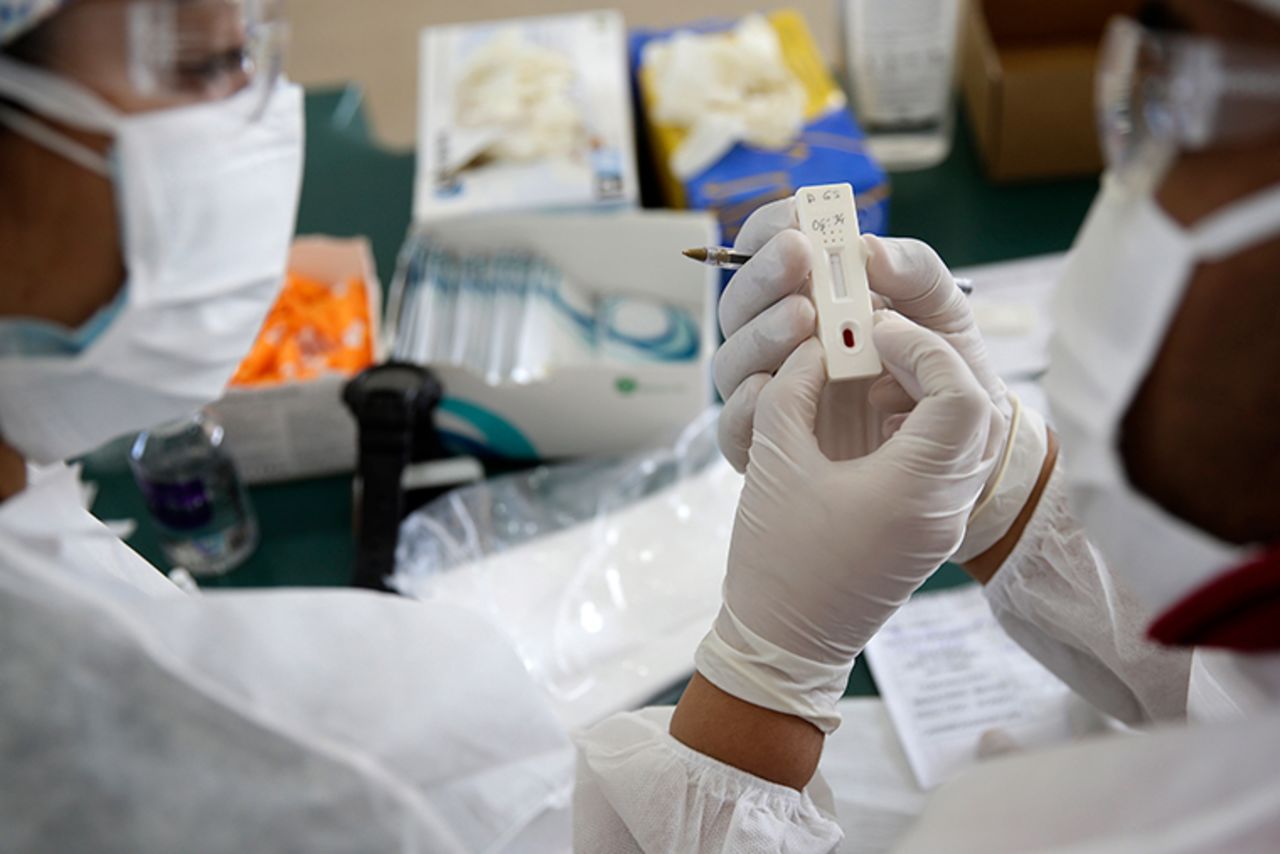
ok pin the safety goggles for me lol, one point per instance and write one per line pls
(1181, 92)
(153, 54)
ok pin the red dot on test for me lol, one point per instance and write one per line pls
(849, 339)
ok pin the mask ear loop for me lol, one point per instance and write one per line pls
(60, 144)
(57, 97)
(1239, 226)
(60, 100)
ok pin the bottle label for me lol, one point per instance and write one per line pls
(182, 506)
(901, 53)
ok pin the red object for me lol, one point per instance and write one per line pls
(1239, 610)
(848, 338)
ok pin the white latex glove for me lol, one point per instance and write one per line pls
(765, 315)
(824, 552)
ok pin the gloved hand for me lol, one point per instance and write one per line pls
(765, 317)
(765, 313)
(824, 552)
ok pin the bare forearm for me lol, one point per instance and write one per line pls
(780, 748)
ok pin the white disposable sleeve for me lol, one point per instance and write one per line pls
(318, 721)
(1056, 598)
(640, 790)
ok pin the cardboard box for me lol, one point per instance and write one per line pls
(376, 44)
(606, 406)
(467, 112)
(1027, 71)
(302, 429)
(829, 149)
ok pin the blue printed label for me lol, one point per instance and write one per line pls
(182, 506)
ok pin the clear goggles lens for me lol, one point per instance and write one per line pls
(1181, 92)
(163, 53)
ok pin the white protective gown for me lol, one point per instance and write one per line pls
(1206, 778)
(137, 718)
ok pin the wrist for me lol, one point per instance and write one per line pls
(984, 566)
(774, 746)
(754, 669)
(1012, 482)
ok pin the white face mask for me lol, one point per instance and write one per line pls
(1123, 284)
(206, 201)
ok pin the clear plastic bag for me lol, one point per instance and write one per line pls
(604, 574)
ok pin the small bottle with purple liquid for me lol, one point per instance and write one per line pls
(206, 523)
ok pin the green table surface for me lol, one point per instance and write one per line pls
(352, 187)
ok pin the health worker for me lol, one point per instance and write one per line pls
(150, 161)
(1134, 550)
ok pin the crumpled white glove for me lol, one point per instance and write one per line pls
(824, 552)
(765, 315)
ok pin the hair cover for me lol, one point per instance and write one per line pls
(18, 16)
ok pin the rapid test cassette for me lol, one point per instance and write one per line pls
(840, 293)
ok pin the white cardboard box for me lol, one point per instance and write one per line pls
(302, 429)
(603, 408)
(600, 171)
